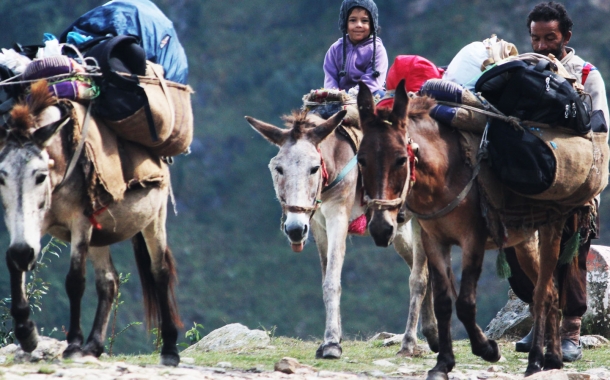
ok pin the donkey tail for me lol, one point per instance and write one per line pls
(157, 293)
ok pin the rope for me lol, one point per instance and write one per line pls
(495, 113)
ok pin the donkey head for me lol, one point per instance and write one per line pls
(296, 170)
(25, 187)
(384, 161)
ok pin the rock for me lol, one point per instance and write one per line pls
(495, 368)
(597, 318)
(287, 365)
(578, 376)
(383, 336)
(48, 350)
(224, 365)
(513, 320)
(231, 337)
(555, 374)
(384, 363)
(593, 341)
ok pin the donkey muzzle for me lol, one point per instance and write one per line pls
(382, 229)
(22, 256)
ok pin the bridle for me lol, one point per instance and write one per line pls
(323, 186)
(396, 203)
(322, 181)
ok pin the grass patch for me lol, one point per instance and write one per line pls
(358, 357)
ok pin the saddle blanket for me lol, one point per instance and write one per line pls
(117, 165)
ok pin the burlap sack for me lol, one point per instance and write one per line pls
(170, 104)
(582, 165)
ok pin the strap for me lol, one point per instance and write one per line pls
(348, 167)
(79, 148)
(147, 111)
(447, 209)
(586, 69)
(159, 75)
(542, 65)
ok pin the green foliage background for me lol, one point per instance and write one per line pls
(257, 58)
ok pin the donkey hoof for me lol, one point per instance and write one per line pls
(552, 361)
(532, 369)
(437, 375)
(329, 351)
(490, 352)
(29, 343)
(27, 335)
(433, 346)
(170, 360)
(73, 351)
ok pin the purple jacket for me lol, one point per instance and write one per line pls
(359, 65)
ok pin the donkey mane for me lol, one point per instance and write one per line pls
(299, 122)
(24, 113)
(419, 107)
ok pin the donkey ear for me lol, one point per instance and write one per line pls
(366, 104)
(273, 134)
(319, 133)
(401, 101)
(44, 135)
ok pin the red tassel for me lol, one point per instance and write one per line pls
(93, 221)
(358, 225)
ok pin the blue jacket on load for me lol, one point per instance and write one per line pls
(140, 18)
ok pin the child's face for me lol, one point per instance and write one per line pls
(358, 25)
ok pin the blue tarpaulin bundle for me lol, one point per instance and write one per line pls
(140, 18)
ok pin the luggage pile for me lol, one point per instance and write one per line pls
(129, 93)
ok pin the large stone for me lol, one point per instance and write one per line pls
(512, 321)
(515, 321)
(597, 318)
(231, 337)
(48, 350)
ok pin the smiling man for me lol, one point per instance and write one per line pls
(550, 29)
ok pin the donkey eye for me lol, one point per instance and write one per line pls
(314, 170)
(401, 161)
(361, 161)
(40, 178)
(279, 170)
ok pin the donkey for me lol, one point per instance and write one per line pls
(307, 149)
(34, 155)
(405, 139)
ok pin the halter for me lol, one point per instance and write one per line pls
(396, 203)
(323, 186)
(322, 181)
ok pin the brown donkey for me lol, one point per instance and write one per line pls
(305, 149)
(39, 198)
(441, 195)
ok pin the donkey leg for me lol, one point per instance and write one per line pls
(158, 276)
(553, 356)
(439, 264)
(106, 284)
(336, 234)
(75, 288)
(408, 245)
(550, 239)
(465, 305)
(428, 318)
(25, 329)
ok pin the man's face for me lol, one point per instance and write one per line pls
(547, 38)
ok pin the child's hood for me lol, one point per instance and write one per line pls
(369, 5)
